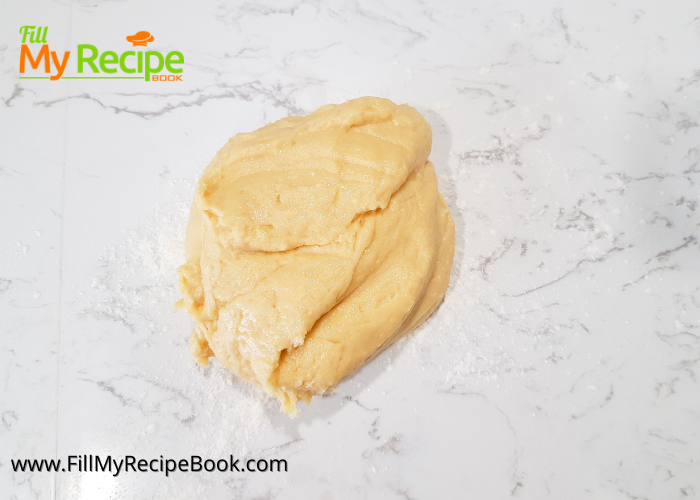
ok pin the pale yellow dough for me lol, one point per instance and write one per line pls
(313, 244)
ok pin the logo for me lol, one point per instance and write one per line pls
(140, 39)
(90, 63)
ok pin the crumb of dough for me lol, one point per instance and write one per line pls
(313, 244)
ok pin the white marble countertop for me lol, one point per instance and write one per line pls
(565, 360)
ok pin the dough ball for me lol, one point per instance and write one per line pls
(313, 244)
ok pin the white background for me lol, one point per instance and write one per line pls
(565, 360)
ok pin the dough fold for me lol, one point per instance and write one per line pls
(313, 244)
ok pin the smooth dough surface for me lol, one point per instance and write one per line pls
(313, 244)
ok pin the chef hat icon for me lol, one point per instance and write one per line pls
(140, 39)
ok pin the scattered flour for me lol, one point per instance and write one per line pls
(621, 85)
(135, 289)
